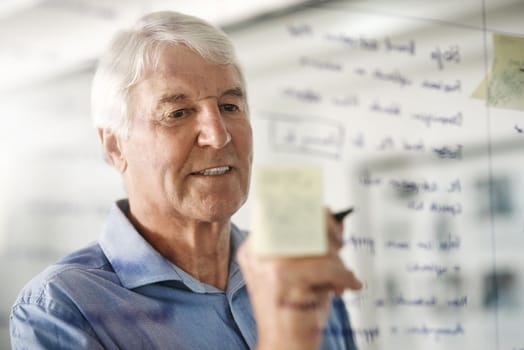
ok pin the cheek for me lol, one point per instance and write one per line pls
(244, 146)
(141, 153)
(151, 154)
(243, 136)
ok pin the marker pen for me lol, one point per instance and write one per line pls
(339, 217)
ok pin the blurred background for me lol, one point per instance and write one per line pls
(386, 96)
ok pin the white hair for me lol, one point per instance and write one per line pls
(133, 51)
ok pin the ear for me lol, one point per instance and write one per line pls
(112, 147)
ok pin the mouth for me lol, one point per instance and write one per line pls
(221, 170)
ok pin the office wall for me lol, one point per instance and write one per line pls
(379, 94)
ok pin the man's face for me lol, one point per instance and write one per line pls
(189, 149)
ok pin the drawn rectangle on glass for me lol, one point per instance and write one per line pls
(305, 135)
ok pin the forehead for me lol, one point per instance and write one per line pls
(180, 68)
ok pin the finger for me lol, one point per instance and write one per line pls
(301, 297)
(334, 230)
(305, 299)
(338, 278)
(326, 272)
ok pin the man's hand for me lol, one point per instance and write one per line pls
(291, 297)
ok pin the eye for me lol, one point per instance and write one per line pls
(179, 113)
(229, 107)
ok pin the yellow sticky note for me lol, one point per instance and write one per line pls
(287, 213)
(504, 85)
(481, 91)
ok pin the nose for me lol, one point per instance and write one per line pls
(213, 130)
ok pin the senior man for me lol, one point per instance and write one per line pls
(168, 271)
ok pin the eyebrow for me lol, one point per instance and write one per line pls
(236, 91)
(172, 98)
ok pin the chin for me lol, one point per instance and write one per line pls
(220, 211)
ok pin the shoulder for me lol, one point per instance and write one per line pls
(74, 271)
(48, 311)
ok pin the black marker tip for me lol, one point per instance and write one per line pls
(342, 214)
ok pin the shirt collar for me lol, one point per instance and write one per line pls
(137, 263)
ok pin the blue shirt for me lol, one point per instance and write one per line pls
(122, 294)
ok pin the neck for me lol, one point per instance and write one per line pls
(201, 249)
